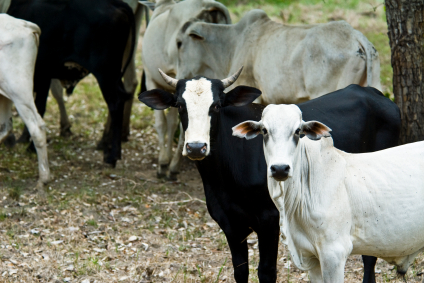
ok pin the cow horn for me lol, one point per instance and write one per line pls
(171, 81)
(231, 79)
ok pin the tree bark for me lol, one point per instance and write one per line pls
(406, 34)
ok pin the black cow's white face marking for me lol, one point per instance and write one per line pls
(198, 99)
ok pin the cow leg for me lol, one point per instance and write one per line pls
(174, 168)
(315, 274)
(369, 268)
(5, 117)
(57, 92)
(268, 252)
(161, 127)
(36, 127)
(239, 253)
(115, 97)
(332, 258)
(172, 123)
(41, 88)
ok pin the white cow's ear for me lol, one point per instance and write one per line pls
(248, 130)
(315, 130)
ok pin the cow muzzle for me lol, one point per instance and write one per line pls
(280, 172)
(196, 151)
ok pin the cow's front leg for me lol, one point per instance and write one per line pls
(239, 252)
(174, 168)
(161, 128)
(315, 274)
(332, 258)
(268, 251)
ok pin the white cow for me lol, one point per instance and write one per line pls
(18, 52)
(160, 50)
(332, 203)
(288, 63)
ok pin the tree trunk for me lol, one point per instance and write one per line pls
(405, 20)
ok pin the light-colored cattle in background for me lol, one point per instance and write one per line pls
(333, 204)
(18, 51)
(288, 63)
(160, 51)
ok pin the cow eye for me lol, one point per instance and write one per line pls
(216, 108)
(264, 131)
(297, 132)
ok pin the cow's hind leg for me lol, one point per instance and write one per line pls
(36, 127)
(57, 92)
(369, 266)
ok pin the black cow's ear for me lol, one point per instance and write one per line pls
(157, 99)
(315, 130)
(241, 95)
(248, 130)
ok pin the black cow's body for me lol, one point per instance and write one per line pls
(234, 174)
(80, 37)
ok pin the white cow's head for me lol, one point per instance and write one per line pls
(281, 126)
(199, 101)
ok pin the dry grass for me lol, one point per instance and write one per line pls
(122, 225)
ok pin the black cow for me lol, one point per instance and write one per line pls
(234, 172)
(79, 37)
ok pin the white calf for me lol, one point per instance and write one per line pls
(18, 52)
(332, 203)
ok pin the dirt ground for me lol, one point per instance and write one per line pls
(98, 224)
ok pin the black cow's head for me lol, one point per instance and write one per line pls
(198, 101)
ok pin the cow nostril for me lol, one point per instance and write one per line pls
(188, 149)
(287, 169)
(273, 169)
(203, 149)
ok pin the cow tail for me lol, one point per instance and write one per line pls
(369, 52)
(130, 15)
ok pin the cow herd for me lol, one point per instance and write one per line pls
(326, 196)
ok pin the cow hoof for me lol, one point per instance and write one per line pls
(173, 176)
(10, 141)
(161, 173)
(111, 161)
(31, 148)
(66, 133)
(40, 191)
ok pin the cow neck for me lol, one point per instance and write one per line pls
(296, 192)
